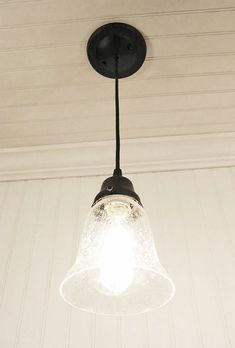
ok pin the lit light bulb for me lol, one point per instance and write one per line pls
(117, 252)
(117, 270)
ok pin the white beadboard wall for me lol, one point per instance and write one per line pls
(193, 218)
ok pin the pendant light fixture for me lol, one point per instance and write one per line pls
(117, 270)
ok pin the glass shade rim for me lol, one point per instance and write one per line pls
(163, 275)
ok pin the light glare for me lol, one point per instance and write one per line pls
(117, 258)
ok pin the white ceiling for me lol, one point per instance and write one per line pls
(49, 94)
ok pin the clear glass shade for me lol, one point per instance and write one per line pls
(117, 270)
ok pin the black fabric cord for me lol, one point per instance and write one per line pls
(117, 170)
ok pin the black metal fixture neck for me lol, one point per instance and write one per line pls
(116, 50)
(117, 185)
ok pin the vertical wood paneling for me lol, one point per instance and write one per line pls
(200, 272)
(83, 325)
(159, 322)
(193, 219)
(167, 224)
(106, 332)
(36, 306)
(225, 189)
(133, 332)
(221, 260)
(10, 277)
(57, 331)
(32, 212)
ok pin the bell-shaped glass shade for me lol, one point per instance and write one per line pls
(117, 270)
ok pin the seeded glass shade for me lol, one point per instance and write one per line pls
(117, 270)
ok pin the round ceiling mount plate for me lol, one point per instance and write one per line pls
(116, 39)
